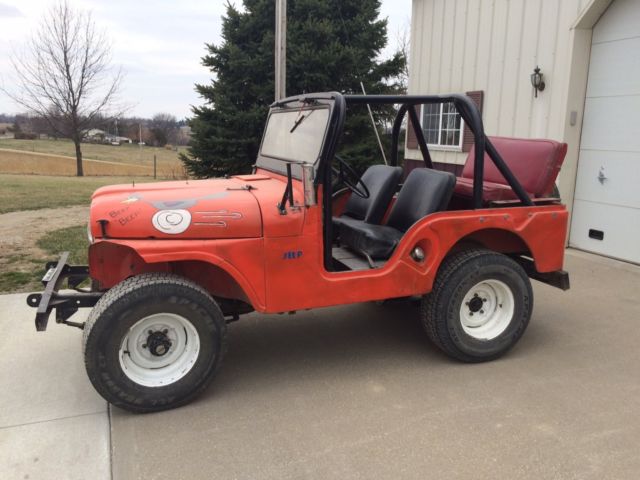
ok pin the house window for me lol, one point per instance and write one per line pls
(442, 126)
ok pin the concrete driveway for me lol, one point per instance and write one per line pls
(351, 392)
(52, 423)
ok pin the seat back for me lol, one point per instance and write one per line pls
(535, 163)
(381, 181)
(424, 191)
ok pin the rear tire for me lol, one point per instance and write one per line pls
(479, 307)
(153, 342)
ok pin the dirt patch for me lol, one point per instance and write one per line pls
(19, 232)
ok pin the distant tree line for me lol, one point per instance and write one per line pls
(160, 130)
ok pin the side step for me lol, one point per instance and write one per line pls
(353, 261)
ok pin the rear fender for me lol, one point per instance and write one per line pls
(537, 231)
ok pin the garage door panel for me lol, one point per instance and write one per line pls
(609, 177)
(606, 209)
(622, 56)
(611, 123)
(620, 227)
(621, 20)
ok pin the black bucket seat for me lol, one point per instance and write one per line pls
(425, 191)
(382, 182)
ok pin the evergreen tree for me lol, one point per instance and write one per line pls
(332, 45)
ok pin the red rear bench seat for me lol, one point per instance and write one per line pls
(535, 163)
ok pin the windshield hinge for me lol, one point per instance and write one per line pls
(288, 193)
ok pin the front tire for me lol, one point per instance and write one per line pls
(479, 307)
(153, 342)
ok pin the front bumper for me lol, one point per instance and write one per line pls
(65, 303)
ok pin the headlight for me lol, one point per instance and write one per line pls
(89, 235)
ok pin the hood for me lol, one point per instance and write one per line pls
(216, 208)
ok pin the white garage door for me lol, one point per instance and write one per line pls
(606, 212)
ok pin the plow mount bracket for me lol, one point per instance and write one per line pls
(65, 303)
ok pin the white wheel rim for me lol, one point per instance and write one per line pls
(175, 342)
(487, 309)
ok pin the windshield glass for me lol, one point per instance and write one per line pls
(295, 135)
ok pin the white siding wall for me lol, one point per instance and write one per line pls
(494, 45)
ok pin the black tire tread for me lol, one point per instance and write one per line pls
(448, 266)
(128, 287)
(432, 324)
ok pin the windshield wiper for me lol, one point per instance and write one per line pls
(299, 120)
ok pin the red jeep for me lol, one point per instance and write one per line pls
(172, 263)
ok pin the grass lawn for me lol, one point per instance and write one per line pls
(72, 239)
(22, 273)
(42, 238)
(127, 153)
(32, 192)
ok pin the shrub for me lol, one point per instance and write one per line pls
(25, 136)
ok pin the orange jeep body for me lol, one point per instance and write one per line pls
(253, 248)
(239, 246)
(172, 263)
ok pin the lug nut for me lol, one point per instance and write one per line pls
(481, 311)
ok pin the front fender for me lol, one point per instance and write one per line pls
(111, 261)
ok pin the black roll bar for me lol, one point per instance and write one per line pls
(417, 130)
(473, 120)
(507, 174)
(415, 123)
(395, 133)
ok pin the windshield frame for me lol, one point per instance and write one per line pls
(300, 120)
(304, 103)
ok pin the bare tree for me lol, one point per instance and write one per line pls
(64, 74)
(403, 47)
(164, 127)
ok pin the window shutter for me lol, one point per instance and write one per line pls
(412, 141)
(467, 139)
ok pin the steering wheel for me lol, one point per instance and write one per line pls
(347, 175)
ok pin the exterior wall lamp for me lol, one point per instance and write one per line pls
(536, 81)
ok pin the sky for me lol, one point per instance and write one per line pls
(157, 43)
